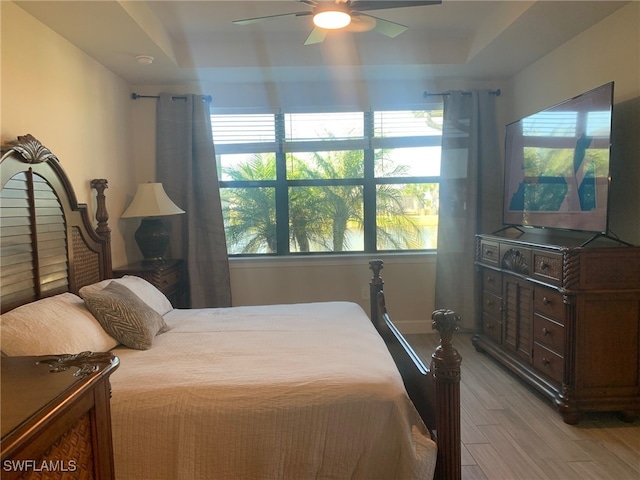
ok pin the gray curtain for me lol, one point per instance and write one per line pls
(470, 196)
(186, 166)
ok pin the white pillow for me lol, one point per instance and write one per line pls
(51, 326)
(143, 289)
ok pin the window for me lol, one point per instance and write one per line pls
(316, 182)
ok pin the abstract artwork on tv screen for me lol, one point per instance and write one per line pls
(557, 164)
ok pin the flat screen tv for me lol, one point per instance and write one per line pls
(557, 165)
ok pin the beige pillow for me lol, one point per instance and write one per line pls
(125, 316)
(142, 288)
(54, 325)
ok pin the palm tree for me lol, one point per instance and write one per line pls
(395, 229)
(318, 215)
(341, 205)
(307, 223)
(250, 213)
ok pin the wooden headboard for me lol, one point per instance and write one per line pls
(47, 242)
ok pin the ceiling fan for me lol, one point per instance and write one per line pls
(346, 15)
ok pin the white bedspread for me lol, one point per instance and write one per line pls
(306, 391)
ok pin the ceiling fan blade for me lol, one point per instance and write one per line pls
(250, 21)
(311, 3)
(317, 35)
(388, 28)
(365, 5)
(360, 22)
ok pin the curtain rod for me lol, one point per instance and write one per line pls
(429, 94)
(135, 96)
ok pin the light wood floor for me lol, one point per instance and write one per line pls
(511, 432)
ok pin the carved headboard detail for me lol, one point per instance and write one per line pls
(47, 242)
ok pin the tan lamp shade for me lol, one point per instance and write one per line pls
(151, 201)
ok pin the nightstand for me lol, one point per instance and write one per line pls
(56, 416)
(168, 277)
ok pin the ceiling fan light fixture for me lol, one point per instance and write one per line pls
(332, 18)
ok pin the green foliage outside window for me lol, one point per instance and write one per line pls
(314, 201)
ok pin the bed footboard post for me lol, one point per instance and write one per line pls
(375, 285)
(445, 368)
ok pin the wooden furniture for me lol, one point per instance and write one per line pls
(85, 258)
(435, 391)
(64, 253)
(56, 420)
(168, 277)
(563, 312)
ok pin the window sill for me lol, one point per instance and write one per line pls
(356, 259)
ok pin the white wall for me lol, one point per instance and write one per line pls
(409, 287)
(610, 50)
(72, 104)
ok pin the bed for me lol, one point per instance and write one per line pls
(298, 391)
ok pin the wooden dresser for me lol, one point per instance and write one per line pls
(564, 316)
(56, 420)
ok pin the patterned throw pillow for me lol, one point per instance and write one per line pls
(125, 316)
(141, 287)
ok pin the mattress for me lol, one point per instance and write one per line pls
(301, 391)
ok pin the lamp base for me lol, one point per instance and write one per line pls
(152, 238)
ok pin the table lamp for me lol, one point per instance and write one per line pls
(150, 203)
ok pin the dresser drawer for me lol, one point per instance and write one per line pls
(547, 266)
(515, 259)
(547, 362)
(492, 281)
(549, 303)
(548, 333)
(491, 304)
(492, 328)
(167, 279)
(490, 253)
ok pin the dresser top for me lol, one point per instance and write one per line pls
(555, 238)
(30, 386)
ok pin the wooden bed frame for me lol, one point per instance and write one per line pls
(49, 246)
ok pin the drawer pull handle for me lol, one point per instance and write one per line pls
(546, 301)
(488, 253)
(544, 266)
(545, 331)
(545, 362)
(490, 280)
(489, 303)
